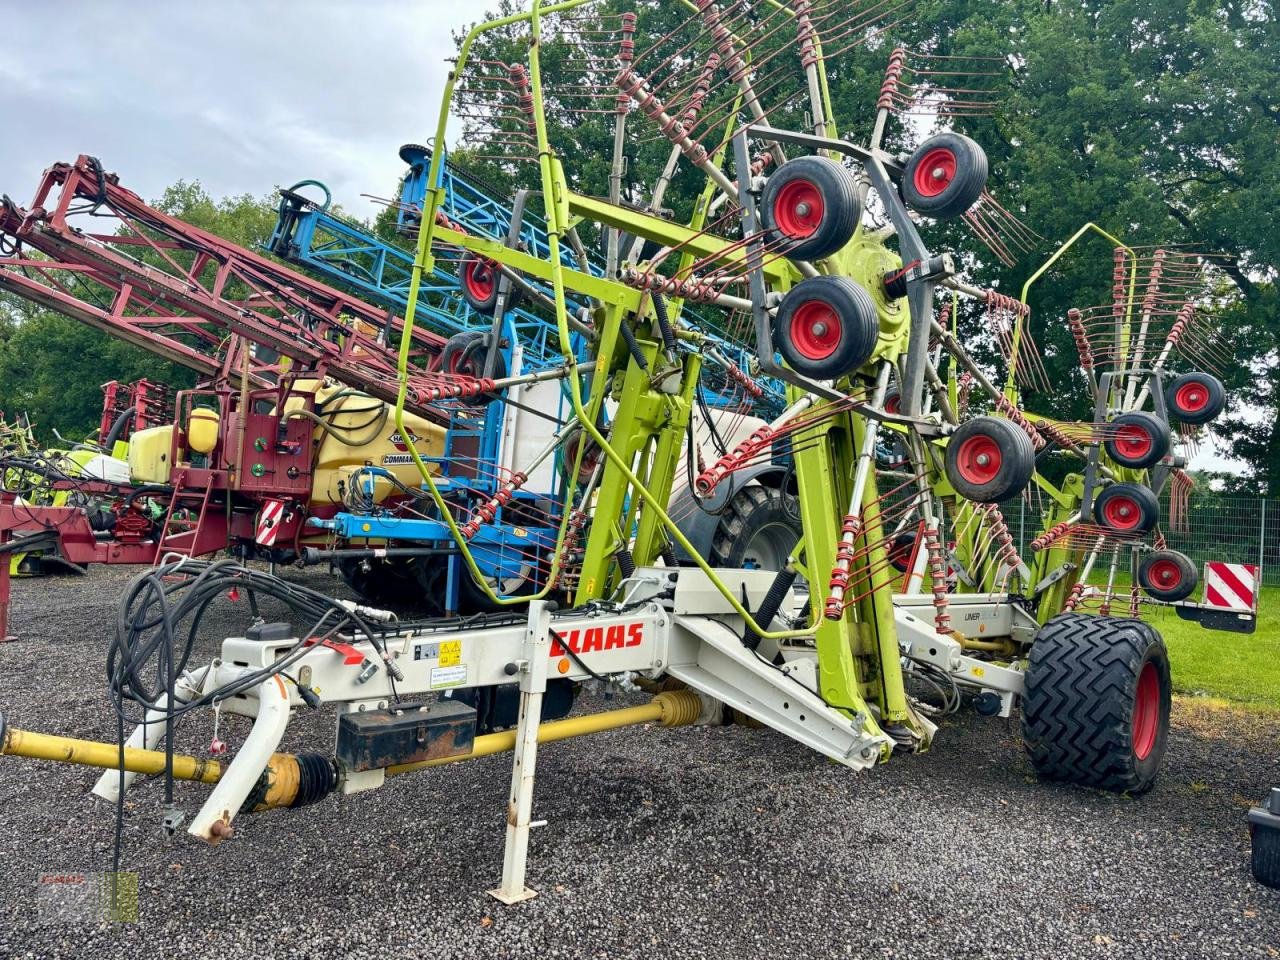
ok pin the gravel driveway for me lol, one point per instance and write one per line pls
(694, 842)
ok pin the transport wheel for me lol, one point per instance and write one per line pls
(900, 550)
(1095, 707)
(464, 355)
(826, 327)
(945, 176)
(810, 208)
(480, 283)
(1167, 575)
(758, 530)
(892, 401)
(1195, 398)
(1138, 439)
(989, 459)
(569, 453)
(1127, 507)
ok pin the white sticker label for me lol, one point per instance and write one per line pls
(448, 676)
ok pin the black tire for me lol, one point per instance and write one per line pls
(1095, 705)
(989, 459)
(1138, 439)
(478, 283)
(394, 582)
(1264, 843)
(758, 530)
(945, 176)
(826, 327)
(1127, 507)
(464, 354)
(810, 208)
(900, 550)
(1195, 398)
(892, 401)
(1167, 575)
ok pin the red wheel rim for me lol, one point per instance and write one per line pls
(979, 459)
(815, 330)
(935, 172)
(893, 404)
(1122, 513)
(900, 554)
(1133, 441)
(798, 209)
(480, 278)
(1164, 575)
(1146, 712)
(1191, 397)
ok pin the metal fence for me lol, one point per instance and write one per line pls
(1231, 529)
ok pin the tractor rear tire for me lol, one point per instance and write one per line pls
(1095, 706)
(757, 530)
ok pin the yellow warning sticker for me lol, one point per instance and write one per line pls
(450, 653)
(976, 671)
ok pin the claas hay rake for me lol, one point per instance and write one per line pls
(903, 432)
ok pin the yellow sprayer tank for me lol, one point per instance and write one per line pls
(362, 431)
(149, 454)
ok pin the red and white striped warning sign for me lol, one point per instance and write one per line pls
(1231, 585)
(269, 522)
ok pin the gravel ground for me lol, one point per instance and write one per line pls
(691, 842)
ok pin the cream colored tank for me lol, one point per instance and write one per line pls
(363, 431)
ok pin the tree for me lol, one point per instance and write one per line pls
(1157, 120)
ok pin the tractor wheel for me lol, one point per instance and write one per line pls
(758, 530)
(393, 582)
(1127, 508)
(1167, 575)
(1195, 398)
(1138, 439)
(826, 327)
(900, 550)
(810, 208)
(945, 176)
(989, 459)
(1095, 706)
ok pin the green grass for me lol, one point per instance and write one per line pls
(1241, 667)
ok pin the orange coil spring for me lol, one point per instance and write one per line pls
(851, 528)
(1133, 601)
(892, 74)
(1008, 552)
(1073, 598)
(938, 572)
(1081, 338)
(488, 510)
(1051, 536)
(1010, 409)
(520, 80)
(1118, 294)
(710, 478)
(572, 535)
(693, 289)
(457, 391)
(805, 34)
(700, 91)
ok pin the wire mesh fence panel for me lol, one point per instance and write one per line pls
(1226, 529)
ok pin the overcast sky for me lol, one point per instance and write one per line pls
(241, 95)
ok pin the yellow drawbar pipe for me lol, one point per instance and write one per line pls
(674, 708)
(671, 709)
(93, 753)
